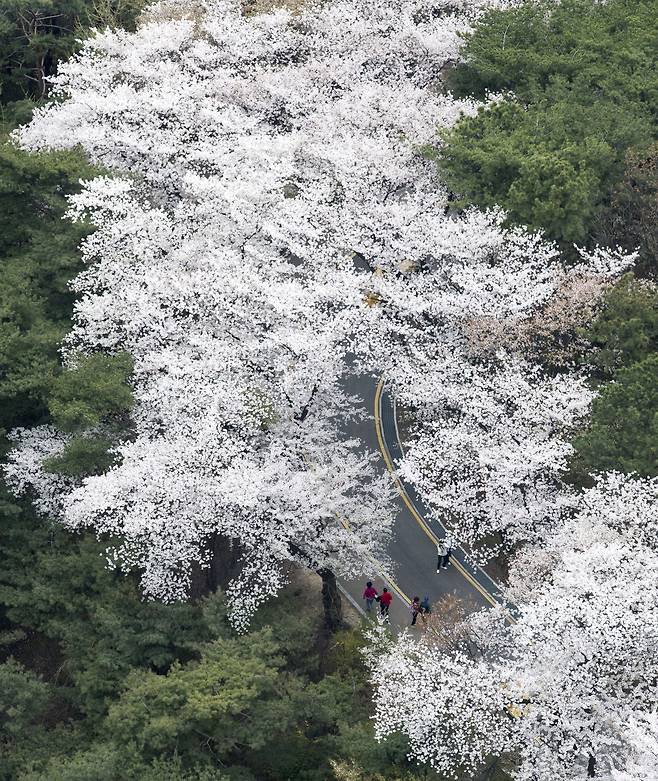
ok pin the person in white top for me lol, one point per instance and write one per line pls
(443, 549)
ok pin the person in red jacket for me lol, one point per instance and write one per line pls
(385, 601)
(370, 594)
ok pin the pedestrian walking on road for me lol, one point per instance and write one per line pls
(444, 551)
(385, 602)
(370, 594)
(415, 610)
(425, 609)
(441, 552)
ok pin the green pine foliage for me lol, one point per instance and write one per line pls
(36, 34)
(145, 690)
(87, 625)
(626, 330)
(585, 91)
(92, 400)
(24, 698)
(38, 257)
(622, 433)
(94, 392)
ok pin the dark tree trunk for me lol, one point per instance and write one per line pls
(591, 767)
(221, 568)
(331, 601)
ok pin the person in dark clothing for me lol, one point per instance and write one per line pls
(425, 609)
(385, 602)
(415, 610)
(370, 594)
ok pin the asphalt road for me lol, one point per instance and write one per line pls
(412, 548)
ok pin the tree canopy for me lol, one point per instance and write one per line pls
(243, 276)
(251, 220)
(577, 86)
(39, 258)
(37, 34)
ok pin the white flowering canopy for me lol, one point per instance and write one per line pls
(573, 678)
(271, 223)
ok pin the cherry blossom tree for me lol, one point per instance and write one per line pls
(270, 213)
(553, 693)
(492, 419)
(642, 760)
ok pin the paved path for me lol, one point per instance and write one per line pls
(413, 544)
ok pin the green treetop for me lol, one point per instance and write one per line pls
(585, 90)
(622, 433)
(36, 34)
(38, 257)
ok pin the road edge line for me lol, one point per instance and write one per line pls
(410, 506)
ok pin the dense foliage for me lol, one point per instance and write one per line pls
(235, 295)
(623, 431)
(99, 684)
(39, 258)
(243, 275)
(558, 152)
(36, 34)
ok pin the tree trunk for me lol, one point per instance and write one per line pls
(591, 766)
(331, 601)
(221, 568)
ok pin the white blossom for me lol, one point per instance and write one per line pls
(270, 224)
(25, 472)
(565, 680)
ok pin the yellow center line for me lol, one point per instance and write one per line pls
(405, 498)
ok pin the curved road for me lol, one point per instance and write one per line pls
(413, 544)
